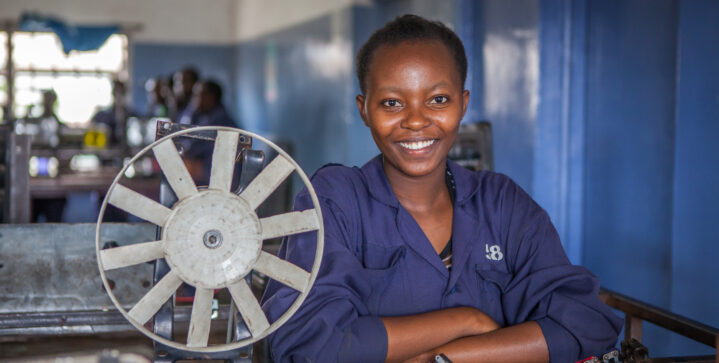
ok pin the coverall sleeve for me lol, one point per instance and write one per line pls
(546, 288)
(333, 324)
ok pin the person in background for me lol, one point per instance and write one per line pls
(184, 82)
(115, 117)
(169, 93)
(49, 209)
(156, 97)
(49, 98)
(207, 110)
(49, 134)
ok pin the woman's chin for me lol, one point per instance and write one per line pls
(417, 169)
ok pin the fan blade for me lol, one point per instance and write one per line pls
(267, 181)
(135, 203)
(174, 169)
(133, 254)
(146, 308)
(283, 271)
(248, 306)
(289, 223)
(223, 160)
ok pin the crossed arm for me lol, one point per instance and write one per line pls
(463, 334)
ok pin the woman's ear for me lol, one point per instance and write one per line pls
(361, 108)
(465, 101)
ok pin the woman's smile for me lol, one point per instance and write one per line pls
(417, 145)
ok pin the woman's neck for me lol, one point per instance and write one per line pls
(420, 194)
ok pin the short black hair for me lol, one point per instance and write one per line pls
(408, 28)
(118, 84)
(213, 88)
(192, 72)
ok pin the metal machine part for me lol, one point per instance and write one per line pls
(49, 283)
(166, 128)
(473, 147)
(15, 186)
(633, 351)
(215, 211)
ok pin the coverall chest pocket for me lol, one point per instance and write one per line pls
(381, 267)
(492, 282)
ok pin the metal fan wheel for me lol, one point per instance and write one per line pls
(211, 239)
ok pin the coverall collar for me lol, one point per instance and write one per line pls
(382, 191)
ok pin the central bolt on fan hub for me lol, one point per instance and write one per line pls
(212, 238)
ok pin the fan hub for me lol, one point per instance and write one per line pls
(212, 239)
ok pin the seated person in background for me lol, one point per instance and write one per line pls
(183, 84)
(115, 117)
(207, 111)
(423, 257)
(156, 97)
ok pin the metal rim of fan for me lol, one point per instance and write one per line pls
(233, 241)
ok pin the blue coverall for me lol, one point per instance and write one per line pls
(507, 261)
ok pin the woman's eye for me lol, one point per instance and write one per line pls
(439, 99)
(391, 103)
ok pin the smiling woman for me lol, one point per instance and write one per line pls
(423, 257)
(413, 103)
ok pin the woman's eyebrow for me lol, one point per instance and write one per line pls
(388, 89)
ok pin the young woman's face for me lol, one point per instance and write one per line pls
(413, 105)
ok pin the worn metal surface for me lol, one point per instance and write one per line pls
(90, 317)
(101, 356)
(37, 324)
(53, 267)
(17, 183)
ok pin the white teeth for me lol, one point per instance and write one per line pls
(416, 145)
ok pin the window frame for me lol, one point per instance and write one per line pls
(10, 70)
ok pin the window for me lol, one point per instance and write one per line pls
(81, 80)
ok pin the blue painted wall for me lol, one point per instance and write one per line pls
(628, 103)
(296, 86)
(631, 63)
(694, 278)
(560, 131)
(503, 53)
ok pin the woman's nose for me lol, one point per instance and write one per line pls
(415, 120)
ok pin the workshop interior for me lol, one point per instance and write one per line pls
(605, 112)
